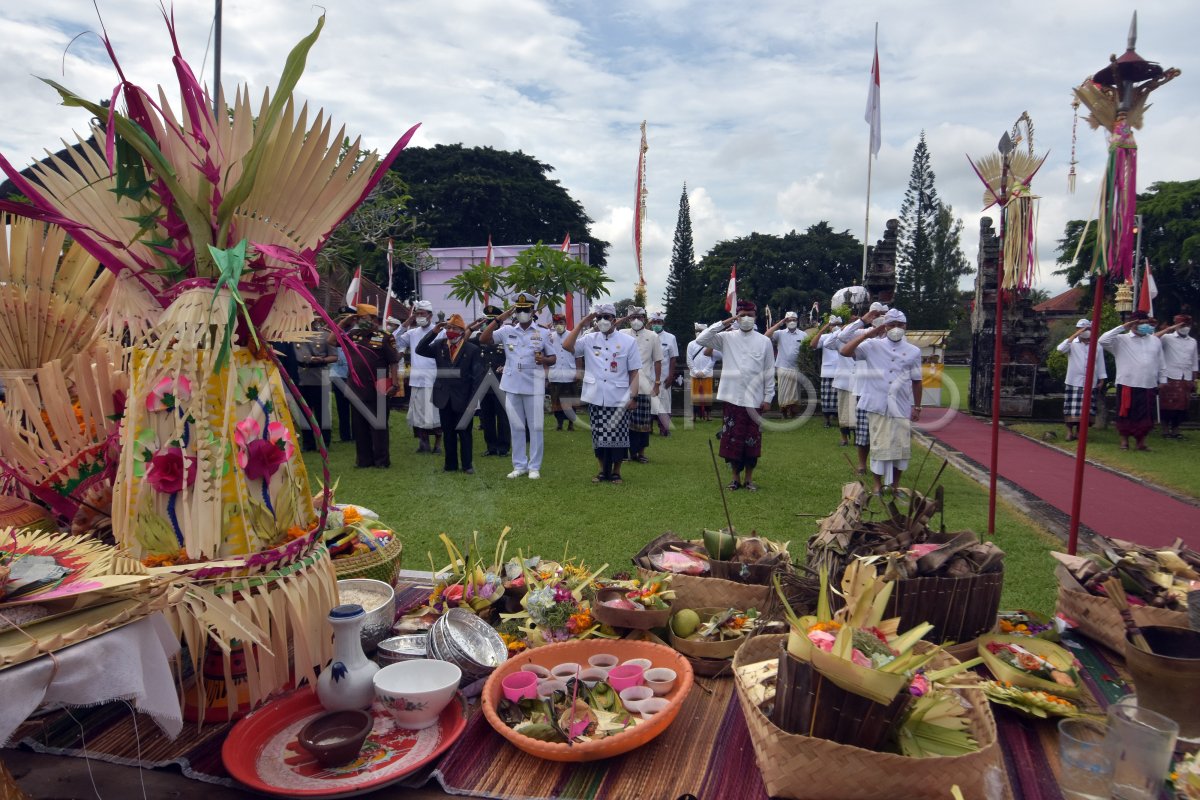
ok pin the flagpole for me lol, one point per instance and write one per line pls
(873, 118)
(867, 216)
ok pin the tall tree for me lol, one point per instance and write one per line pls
(915, 285)
(680, 296)
(948, 264)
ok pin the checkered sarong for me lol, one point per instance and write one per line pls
(639, 417)
(1073, 403)
(862, 430)
(828, 396)
(610, 426)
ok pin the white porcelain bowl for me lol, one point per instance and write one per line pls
(660, 679)
(644, 663)
(633, 697)
(415, 692)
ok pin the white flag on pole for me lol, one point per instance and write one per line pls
(872, 115)
(355, 286)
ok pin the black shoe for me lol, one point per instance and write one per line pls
(570, 426)
(436, 451)
(469, 470)
(641, 459)
(502, 453)
(449, 469)
(491, 453)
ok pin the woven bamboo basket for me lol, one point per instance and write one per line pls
(381, 565)
(1096, 617)
(795, 766)
(17, 513)
(960, 609)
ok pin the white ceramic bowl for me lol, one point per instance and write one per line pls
(604, 661)
(651, 706)
(415, 692)
(565, 670)
(547, 688)
(644, 663)
(635, 696)
(537, 669)
(661, 680)
(593, 675)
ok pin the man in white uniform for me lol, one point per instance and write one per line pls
(1138, 353)
(862, 431)
(829, 366)
(890, 394)
(1180, 366)
(844, 387)
(700, 363)
(527, 352)
(611, 362)
(1076, 397)
(787, 338)
(422, 415)
(563, 389)
(661, 405)
(649, 383)
(747, 388)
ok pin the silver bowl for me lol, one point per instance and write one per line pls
(380, 618)
(463, 639)
(408, 647)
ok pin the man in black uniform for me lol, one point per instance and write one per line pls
(492, 416)
(373, 378)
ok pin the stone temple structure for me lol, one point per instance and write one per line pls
(881, 265)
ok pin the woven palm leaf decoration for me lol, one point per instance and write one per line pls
(211, 217)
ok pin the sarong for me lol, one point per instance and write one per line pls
(1073, 403)
(1174, 397)
(740, 434)
(661, 402)
(563, 396)
(422, 415)
(829, 398)
(891, 444)
(1135, 410)
(847, 408)
(639, 417)
(862, 429)
(702, 391)
(610, 426)
(787, 389)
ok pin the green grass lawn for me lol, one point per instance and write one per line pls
(1172, 463)
(960, 377)
(800, 474)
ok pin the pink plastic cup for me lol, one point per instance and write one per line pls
(520, 686)
(625, 676)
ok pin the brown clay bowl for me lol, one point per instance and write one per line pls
(633, 619)
(335, 739)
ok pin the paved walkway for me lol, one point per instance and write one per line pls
(1113, 505)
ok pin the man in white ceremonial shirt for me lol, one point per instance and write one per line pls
(701, 362)
(611, 363)
(528, 350)
(660, 405)
(787, 338)
(423, 416)
(649, 383)
(1139, 356)
(862, 431)
(1180, 367)
(890, 394)
(830, 359)
(1075, 398)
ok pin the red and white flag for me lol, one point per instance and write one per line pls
(352, 293)
(872, 115)
(387, 302)
(569, 302)
(1148, 292)
(731, 291)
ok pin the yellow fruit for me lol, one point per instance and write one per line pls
(685, 622)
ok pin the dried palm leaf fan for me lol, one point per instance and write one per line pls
(52, 297)
(217, 219)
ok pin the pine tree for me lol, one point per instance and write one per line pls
(919, 290)
(682, 283)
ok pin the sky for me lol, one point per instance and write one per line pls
(757, 107)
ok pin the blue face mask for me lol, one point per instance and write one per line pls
(1145, 330)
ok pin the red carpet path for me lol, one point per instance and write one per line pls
(1113, 505)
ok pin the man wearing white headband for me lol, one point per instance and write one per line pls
(787, 338)
(829, 366)
(423, 416)
(891, 394)
(1139, 357)
(701, 361)
(860, 427)
(660, 405)
(1074, 396)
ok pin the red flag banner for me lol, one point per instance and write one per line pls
(873, 116)
(731, 291)
(569, 302)
(639, 206)
(1148, 292)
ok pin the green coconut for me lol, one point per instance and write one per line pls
(720, 545)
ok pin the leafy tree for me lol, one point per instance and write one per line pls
(462, 195)
(623, 306)
(1170, 240)
(680, 297)
(546, 271)
(942, 307)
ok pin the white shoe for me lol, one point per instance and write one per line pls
(534, 474)
(516, 473)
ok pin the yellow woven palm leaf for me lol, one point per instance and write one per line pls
(1020, 167)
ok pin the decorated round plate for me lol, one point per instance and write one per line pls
(263, 753)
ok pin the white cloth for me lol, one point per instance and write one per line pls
(787, 347)
(525, 412)
(1077, 353)
(422, 414)
(830, 358)
(748, 377)
(650, 349)
(1139, 358)
(886, 370)
(421, 370)
(845, 336)
(521, 374)
(603, 383)
(670, 349)
(1180, 358)
(891, 445)
(128, 663)
(563, 370)
(698, 364)
(843, 375)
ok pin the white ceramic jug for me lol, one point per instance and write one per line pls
(347, 683)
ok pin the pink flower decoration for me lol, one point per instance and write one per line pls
(822, 639)
(453, 594)
(279, 435)
(167, 472)
(858, 658)
(263, 460)
(919, 686)
(244, 433)
(169, 393)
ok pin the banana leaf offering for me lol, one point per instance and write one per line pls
(1031, 702)
(1158, 577)
(1031, 664)
(578, 714)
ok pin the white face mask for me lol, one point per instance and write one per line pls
(637, 324)
(746, 323)
(791, 326)
(1185, 331)
(559, 328)
(523, 317)
(1083, 337)
(422, 321)
(604, 325)
(895, 334)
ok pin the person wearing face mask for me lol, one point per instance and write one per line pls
(527, 352)
(649, 382)
(861, 428)
(611, 362)
(460, 369)
(829, 367)
(787, 338)
(1180, 366)
(1074, 396)
(422, 414)
(660, 404)
(373, 362)
(890, 394)
(747, 388)
(700, 363)
(1138, 353)
(493, 419)
(563, 391)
